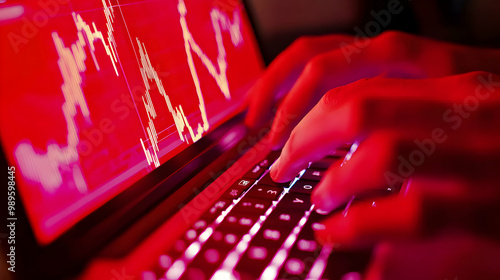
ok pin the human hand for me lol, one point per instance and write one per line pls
(440, 229)
(400, 143)
(404, 128)
(311, 66)
(439, 127)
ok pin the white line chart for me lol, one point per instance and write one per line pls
(47, 167)
(220, 22)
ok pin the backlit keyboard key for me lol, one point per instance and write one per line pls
(302, 255)
(237, 189)
(313, 174)
(303, 186)
(264, 192)
(252, 206)
(241, 222)
(296, 201)
(325, 163)
(255, 172)
(210, 256)
(216, 209)
(266, 180)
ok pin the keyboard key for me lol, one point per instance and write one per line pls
(245, 183)
(274, 231)
(286, 218)
(294, 266)
(303, 186)
(213, 212)
(307, 245)
(313, 174)
(302, 255)
(237, 189)
(271, 236)
(238, 222)
(197, 228)
(270, 159)
(267, 241)
(255, 172)
(296, 201)
(193, 272)
(304, 252)
(255, 259)
(266, 180)
(178, 249)
(258, 253)
(264, 192)
(325, 163)
(252, 206)
(216, 209)
(226, 237)
(211, 255)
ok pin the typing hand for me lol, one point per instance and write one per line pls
(412, 113)
(304, 72)
(432, 127)
(440, 132)
(440, 229)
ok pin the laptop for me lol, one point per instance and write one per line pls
(126, 154)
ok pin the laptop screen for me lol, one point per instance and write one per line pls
(96, 94)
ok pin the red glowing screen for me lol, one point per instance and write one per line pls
(96, 94)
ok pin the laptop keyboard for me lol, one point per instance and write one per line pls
(258, 229)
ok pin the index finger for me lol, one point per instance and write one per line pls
(343, 115)
(284, 71)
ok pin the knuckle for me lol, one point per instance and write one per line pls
(471, 80)
(317, 66)
(394, 45)
(339, 95)
(300, 48)
(310, 45)
(302, 45)
(392, 36)
(332, 98)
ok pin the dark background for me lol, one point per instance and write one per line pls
(279, 22)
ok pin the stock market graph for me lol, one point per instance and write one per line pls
(96, 94)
